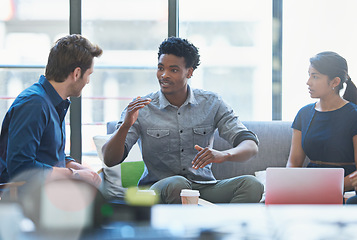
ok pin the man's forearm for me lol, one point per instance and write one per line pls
(243, 152)
(113, 149)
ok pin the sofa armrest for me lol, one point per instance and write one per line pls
(111, 126)
(274, 147)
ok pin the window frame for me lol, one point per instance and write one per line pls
(75, 27)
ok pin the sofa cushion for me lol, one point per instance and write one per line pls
(111, 185)
(274, 147)
(127, 174)
(131, 173)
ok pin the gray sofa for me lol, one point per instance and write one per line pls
(274, 148)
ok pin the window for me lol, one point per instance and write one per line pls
(310, 27)
(25, 39)
(234, 39)
(130, 36)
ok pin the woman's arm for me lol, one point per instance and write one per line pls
(297, 154)
(353, 180)
(350, 182)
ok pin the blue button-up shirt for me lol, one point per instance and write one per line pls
(33, 131)
(167, 134)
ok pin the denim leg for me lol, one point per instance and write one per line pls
(169, 189)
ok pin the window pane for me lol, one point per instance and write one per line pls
(310, 27)
(12, 82)
(27, 33)
(25, 39)
(28, 29)
(234, 39)
(130, 36)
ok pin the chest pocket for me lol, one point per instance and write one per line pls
(202, 135)
(159, 140)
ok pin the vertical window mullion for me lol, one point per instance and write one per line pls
(75, 18)
(277, 59)
(173, 18)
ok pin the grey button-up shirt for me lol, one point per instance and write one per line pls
(167, 134)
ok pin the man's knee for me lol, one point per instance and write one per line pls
(254, 182)
(251, 189)
(170, 189)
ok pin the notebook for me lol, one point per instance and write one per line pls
(304, 186)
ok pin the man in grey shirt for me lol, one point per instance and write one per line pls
(174, 128)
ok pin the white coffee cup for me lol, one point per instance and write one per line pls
(189, 196)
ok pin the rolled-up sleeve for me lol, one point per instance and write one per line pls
(230, 127)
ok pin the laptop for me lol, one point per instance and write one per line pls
(304, 186)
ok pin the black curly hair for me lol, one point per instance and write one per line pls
(181, 48)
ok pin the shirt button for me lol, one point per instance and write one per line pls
(183, 169)
(178, 113)
(157, 135)
(181, 150)
(181, 131)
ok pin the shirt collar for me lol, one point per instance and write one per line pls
(51, 92)
(190, 99)
(57, 101)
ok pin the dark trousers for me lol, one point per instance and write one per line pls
(352, 200)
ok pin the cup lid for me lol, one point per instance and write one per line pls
(147, 191)
(189, 192)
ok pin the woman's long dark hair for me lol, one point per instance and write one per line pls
(333, 65)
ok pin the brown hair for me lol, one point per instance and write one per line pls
(67, 54)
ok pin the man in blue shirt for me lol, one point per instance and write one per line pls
(33, 131)
(175, 127)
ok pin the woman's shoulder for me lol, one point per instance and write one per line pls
(352, 105)
(304, 112)
(307, 108)
(351, 108)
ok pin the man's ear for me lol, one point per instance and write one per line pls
(190, 72)
(77, 73)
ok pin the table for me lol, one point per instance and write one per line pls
(257, 221)
(222, 221)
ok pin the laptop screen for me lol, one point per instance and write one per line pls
(304, 186)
